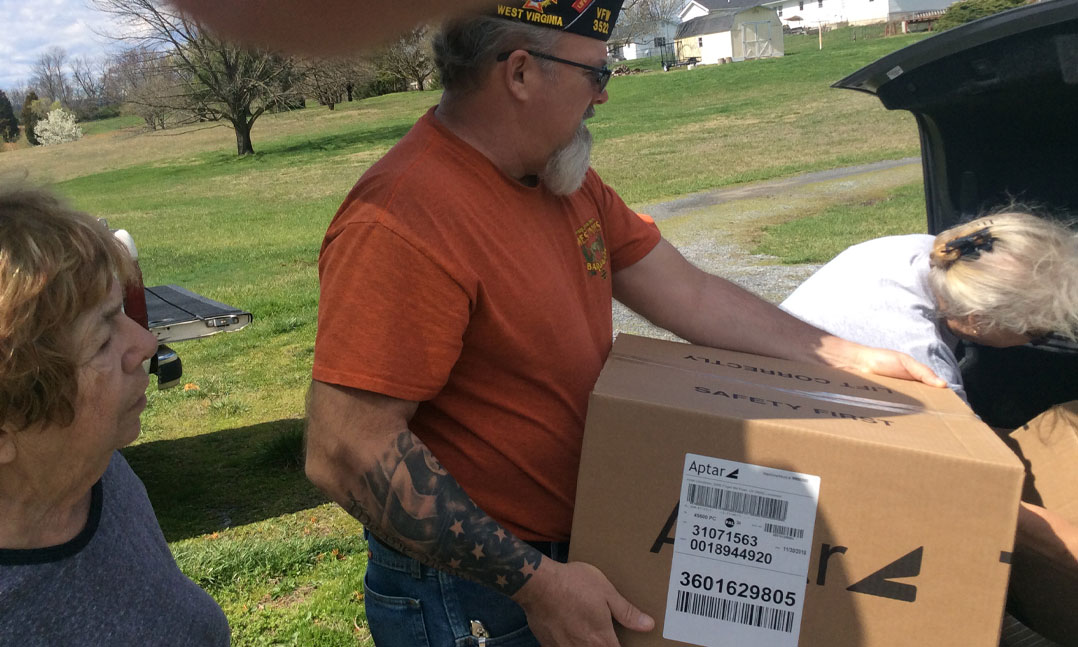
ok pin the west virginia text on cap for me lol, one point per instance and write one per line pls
(591, 18)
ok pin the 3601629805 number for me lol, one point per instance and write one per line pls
(735, 589)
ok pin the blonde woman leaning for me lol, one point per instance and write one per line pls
(1006, 279)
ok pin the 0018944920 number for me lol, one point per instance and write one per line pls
(724, 550)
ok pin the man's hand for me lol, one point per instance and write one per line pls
(889, 363)
(574, 605)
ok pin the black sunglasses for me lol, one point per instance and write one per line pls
(602, 74)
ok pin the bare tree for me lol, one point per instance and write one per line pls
(112, 87)
(410, 58)
(642, 20)
(88, 86)
(218, 80)
(145, 80)
(50, 77)
(326, 80)
(88, 77)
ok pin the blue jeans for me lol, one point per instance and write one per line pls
(412, 605)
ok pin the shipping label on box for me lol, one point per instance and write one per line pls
(744, 535)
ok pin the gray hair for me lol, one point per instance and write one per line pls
(464, 50)
(1021, 277)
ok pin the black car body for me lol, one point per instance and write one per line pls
(996, 103)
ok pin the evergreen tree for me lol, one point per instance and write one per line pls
(29, 118)
(9, 125)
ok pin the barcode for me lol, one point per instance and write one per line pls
(744, 613)
(784, 531)
(730, 501)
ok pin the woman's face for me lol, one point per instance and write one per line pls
(111, 350)
(969, 330)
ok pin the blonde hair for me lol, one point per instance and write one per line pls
(55, 264)
(1010, 271)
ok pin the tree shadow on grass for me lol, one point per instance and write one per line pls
(337, 142)
(227, 478)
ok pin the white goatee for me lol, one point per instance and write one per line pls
(567, 167)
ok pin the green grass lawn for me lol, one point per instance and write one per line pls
(817, 238)
(220, 456)
(100, 126)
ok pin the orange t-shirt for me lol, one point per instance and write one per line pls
(446, 282)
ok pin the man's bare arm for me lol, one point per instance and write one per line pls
(711, 311)
(361, 452)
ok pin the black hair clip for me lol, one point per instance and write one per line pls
(971, 244)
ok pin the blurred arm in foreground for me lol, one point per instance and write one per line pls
(320, 27)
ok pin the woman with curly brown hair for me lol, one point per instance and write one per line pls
(82, 558)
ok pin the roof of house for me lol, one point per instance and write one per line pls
(717, 5)
(715, 22)
(639, 32)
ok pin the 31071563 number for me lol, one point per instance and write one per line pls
(707, 532)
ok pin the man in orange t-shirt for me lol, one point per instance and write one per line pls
(464, 317)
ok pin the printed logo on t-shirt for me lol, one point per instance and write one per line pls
(590, 239)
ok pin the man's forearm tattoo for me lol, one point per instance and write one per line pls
(411, 503)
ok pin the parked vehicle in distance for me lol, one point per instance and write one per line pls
(174, 314)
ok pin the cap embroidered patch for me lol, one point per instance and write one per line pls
(591, 18)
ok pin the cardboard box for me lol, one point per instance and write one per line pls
(1044, 579)
(696, 492)
(1048, 445)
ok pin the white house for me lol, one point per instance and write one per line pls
(812, 13)
(855, 12)
(641, 41)
(737, 34)
(698, 8)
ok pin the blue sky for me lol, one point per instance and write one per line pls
(29, 27)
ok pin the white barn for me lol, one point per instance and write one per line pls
(737, 34)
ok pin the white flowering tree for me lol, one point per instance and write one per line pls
(58, 127)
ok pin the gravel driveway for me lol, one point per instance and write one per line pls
(711, 228)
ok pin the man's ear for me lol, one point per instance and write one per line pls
(519, 75)
(7, 445)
